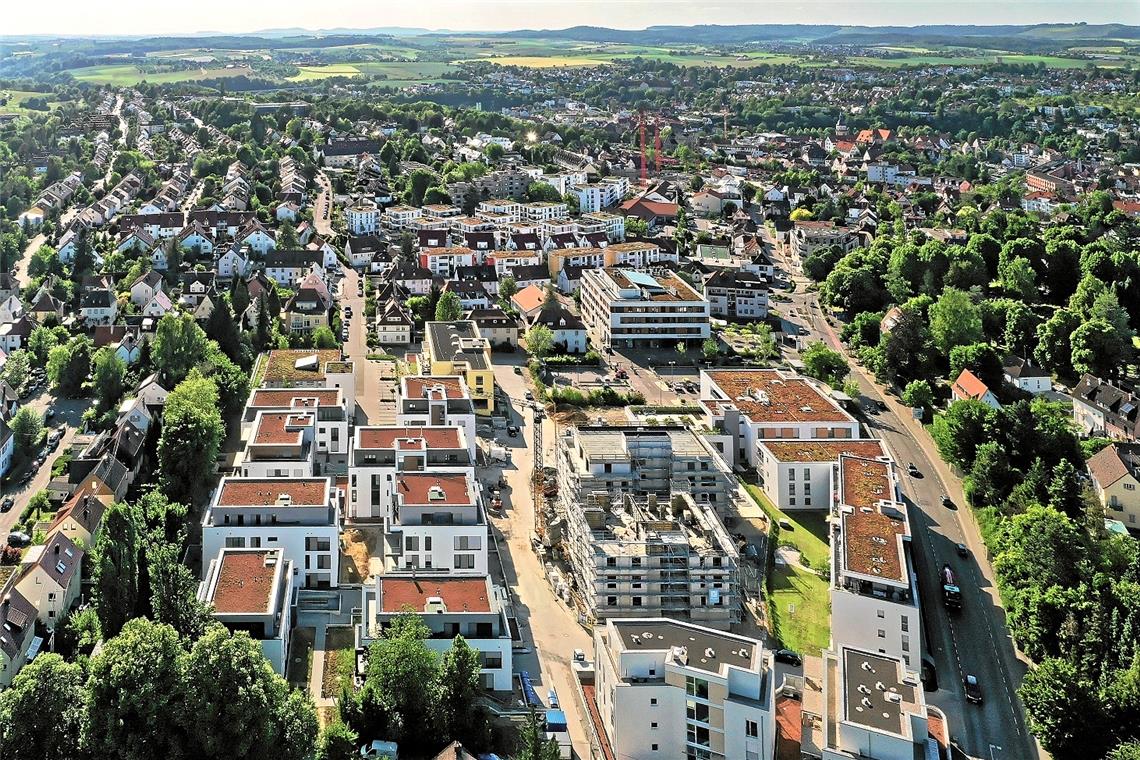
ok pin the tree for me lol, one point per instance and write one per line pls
(109, 375)
(116, 571)
(1098, 349)
(222, 328)
(41, 342)
(507, 288)
(179, 344)
(979, 358)
(1062, 709)
(174, 591)
(801, 214)
(1054, 342)
(991, 478)
(710, 348)
(239, 296)
(28, 429)
(543, 192)
(192, 433)
(531, 743)
(636, 227)
(338, 742)
(136, 693)
(44, 261)
(960, 429)
(824, 364)
(41, 714)
(68, 366)
(449, 308)
(399, 696)
(1019, 280)
(235, 705)
(540, 340)
(954, 320)
(232, 381)
(460, 690)
(918, 395)
(16, 370)
(287, 237)
(323, 338)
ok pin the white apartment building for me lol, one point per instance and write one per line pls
(668, 689)
(450, 606)
(541, 211)
(301, 516)
(251, 590)
(332, 420)
(501, 209)
(380, 453)
(630, 309)
(436, 522)
(599, 195)
(310, 369)
(859, 704)
(807, 236)
(362, 218)
(612, 224)
(437, 401)
(281, 445)
(401, 217)
(753, 405)
(874, 591)
(805, 474)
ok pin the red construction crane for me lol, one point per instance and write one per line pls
(657, 145)
(644, 168)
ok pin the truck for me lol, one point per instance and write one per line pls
(951, 594)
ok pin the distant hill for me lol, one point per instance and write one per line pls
(716, 34)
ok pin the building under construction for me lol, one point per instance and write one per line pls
(643, 534)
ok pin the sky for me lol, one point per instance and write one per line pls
(146, 17)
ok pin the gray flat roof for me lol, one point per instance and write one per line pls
(661, 634)
(447, 342)
(869, 678)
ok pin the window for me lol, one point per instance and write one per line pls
(751, 729)
(905, 623)
(807, 501)
(791, 489)
(1129, 486)
(464, 561)
(653, 725)
(653, 701)
(611, 601)
(791, 473)
(654, 746)
(880, 614)
(906, 643)
(882, 634)
(427, 543)
(807, 488)
(792, 501)
(697, 687)
(411, 543)
(235, 542)
(696, 711)
(637, 601)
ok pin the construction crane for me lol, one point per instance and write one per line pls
(724, 113)
(641, 130)
(657, 145)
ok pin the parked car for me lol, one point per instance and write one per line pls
(947, 502)
(513, 431)
(7, 504)
(529, 396)
(913, 471)
(788, 657)
(963, 550)
(17, 538)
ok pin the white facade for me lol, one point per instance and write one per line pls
(630, 309)
(362, 218)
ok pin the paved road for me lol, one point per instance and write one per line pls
(68, 414)
(322, 207)
(374, 393)
(974, 641)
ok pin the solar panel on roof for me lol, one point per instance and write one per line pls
(641, 279)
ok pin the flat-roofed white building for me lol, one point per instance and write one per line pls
(874, 591)
(450, 606)
(251, 590)
(754, 405)
(437, 401)
(379, 454)
(301, 516)
(281, 445)
(669, 689)
(332, 419)
(436, 522)
(805, 474)
(630, 309)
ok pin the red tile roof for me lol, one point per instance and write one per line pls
(417, 488)
(767, 396)
(458, 594)
(264, 492)
(282, 398)
(397, 437)
(280, 428)
(417, 386)
(969, 385)
(245, 581)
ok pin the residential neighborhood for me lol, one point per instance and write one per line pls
(752, 400)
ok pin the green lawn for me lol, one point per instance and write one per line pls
(12, 101)
(799, 608)
(799, 600)
(340, 660)
(401, 71)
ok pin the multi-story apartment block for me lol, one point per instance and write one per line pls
(435, 521)
(301, 516)
(541, 211)
(401, 217)
(501, 209)
(362, 218)
(437, 401)
(380, 453)
(807, 236)
(861, 704)
(450, 606)
(599, 195)
(251, 590)
(805, 474)
(332, 419)
(668, 689)
(611, 224)
(280, 445)
(749, 406)
(874, 591)
(311, 368)
(443, 262)
(643, 531)
(632, 309)
(737, 295)
(456, 348)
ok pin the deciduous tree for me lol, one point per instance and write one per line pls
(41, 714)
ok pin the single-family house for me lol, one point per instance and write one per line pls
(970, 386)
(144, 288)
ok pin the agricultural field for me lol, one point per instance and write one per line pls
(12, 101)
(127, 74)
(411, 71)
(542, 61)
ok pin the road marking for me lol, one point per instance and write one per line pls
(994, 748)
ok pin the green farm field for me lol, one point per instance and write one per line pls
(415, 71)
(126, 74)
(13, 101)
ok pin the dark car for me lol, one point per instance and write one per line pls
(7, 504)
(913, 471)
(788, 657)
(16, 538)
(881, 405)
(962, 549)
(946, 502)
(513, 431)
(973, 689)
